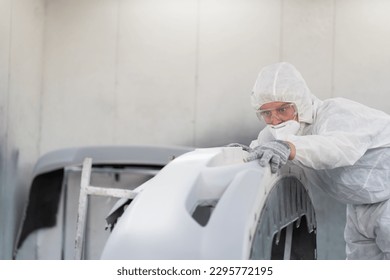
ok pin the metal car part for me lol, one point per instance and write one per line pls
(209, 204)
(49, 222)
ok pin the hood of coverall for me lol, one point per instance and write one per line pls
(283, 83)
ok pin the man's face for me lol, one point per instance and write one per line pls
(277, 112)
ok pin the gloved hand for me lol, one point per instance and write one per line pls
(275, 153)
(245, 148)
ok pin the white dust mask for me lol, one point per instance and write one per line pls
(284, 129)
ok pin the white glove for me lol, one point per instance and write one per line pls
(275, 153)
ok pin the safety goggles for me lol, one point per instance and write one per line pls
(284, 113)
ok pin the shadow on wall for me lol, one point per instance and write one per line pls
(8, 207)
(218, 138)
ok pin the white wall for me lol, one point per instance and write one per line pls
(21, 37)
(5, 27)
(362, 57)
(134, 67)
(172, 72)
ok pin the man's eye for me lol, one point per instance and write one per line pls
(266, 113)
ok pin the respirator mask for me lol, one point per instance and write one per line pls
(283, 130)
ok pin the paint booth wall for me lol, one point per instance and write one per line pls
(171, 72)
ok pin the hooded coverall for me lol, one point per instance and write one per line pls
(344, 148)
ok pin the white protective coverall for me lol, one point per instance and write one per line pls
(343, 147)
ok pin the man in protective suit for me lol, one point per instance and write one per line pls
(342, 146)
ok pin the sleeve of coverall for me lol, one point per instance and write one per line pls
(341, 135)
